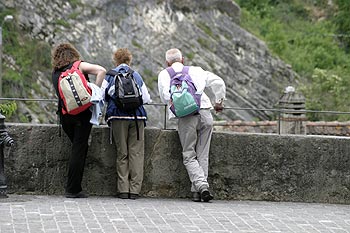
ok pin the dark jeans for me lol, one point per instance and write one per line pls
(77, 128)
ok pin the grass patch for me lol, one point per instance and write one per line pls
(137, 45)
(62, 22)
(204, 43)
(190, 56)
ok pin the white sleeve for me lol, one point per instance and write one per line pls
(164, 86)
(103, 88)
(146, 98)
(217, 86)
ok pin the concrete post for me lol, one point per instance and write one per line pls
(292, 121)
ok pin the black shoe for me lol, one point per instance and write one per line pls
(196, 197)
(206, 195)
(81, 194)
(123, 195)
(133, 196)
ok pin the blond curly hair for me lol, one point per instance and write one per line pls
(122, 55)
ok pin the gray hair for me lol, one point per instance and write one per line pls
(173, 55)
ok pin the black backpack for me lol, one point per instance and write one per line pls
(127, 94)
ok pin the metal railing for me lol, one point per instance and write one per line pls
(279, 111)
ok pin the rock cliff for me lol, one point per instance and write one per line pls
(208, 33)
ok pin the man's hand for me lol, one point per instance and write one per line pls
(219, 107)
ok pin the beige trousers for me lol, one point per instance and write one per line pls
(130, 155)
(195, 136)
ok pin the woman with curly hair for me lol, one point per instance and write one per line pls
(77, 127)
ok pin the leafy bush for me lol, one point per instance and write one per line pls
(342, 22)
(295, 33)
(328, 91)
(7, 109)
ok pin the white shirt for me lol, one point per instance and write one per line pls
(98, 103)
(201, 80)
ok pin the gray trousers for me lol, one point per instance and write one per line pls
(130, 155)
(195, 135)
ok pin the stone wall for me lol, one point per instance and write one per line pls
(243, 166)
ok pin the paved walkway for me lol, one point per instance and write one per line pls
(51, 214)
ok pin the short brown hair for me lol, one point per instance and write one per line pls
(63, 55)
(122, 55)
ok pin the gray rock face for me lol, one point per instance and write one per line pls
(207, 32)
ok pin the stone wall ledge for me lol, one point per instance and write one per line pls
(243, 166)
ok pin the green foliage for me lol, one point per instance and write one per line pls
(136, 44)
(149, 77)
(328, 91)
(11, 76)
(74, 15)
(293, 31)
(7, 109)
(23, 119)
(150, 81)
(75, 3)
(63, 23)
(93, 11)
(147, 72)
(204, 43)
(3, 13)
(190, 56)
(342, 22)
(207, 30)
(29, 56)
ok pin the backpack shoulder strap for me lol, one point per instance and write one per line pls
(131, 72)
(185, 69)
(76, 64)
(112, 73)
(188, 78)
(66, 71)
(171, 71)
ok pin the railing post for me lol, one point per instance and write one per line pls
(279, 121)
(165, 111)
(5, 140)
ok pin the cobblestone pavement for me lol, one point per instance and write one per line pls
(53, 214)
